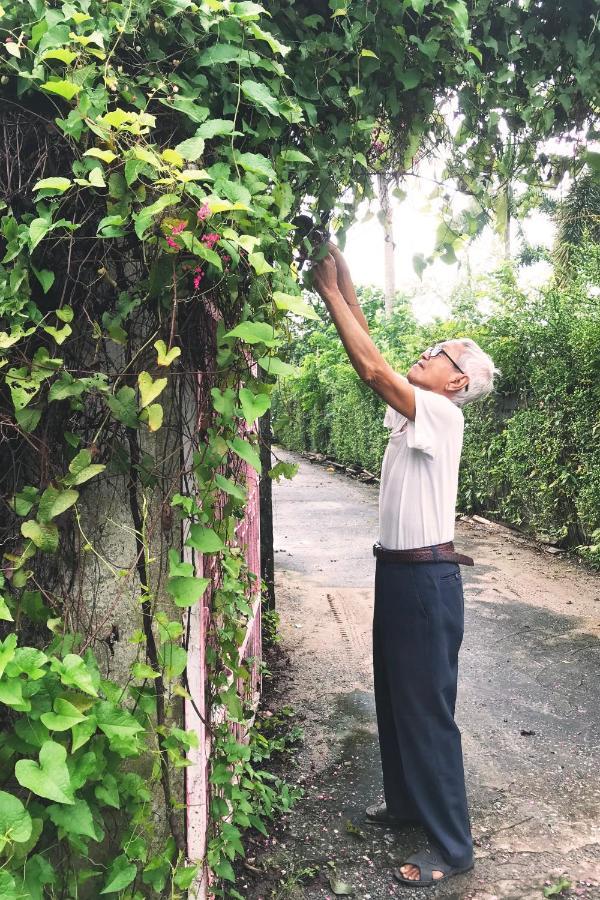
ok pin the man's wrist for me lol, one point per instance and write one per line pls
(333, 296)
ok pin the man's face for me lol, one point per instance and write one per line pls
(435, 373)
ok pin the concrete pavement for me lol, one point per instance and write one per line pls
(528, 708)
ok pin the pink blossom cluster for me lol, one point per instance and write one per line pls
(378, 147)
(209, 240)
(204, 212)
(198, 276)
(176, 229)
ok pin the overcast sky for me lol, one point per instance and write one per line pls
(415, 223)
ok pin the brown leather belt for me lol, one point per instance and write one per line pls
(435, 553)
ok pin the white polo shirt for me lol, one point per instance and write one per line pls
(419, 474)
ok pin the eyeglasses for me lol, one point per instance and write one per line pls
(436, 350)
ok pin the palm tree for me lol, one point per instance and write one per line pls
(578, 220)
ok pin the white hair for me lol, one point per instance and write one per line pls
(479, 367)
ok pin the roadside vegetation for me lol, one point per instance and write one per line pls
(531, 453)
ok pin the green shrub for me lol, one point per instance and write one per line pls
(531, 453)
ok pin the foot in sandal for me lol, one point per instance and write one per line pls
(427, 867)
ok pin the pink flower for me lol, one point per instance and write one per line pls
(177, 229)
(198, 276)
(204, 212)
(209, 240)
(173, 243)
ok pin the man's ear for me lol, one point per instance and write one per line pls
(457, 383)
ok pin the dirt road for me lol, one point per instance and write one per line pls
(528, 708)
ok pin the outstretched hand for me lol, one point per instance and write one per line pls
(324, 277)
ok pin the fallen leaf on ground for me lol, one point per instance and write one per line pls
(561, 885)
(340, 888)
(351, 828)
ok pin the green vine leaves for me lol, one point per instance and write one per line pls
(170, 144)
(202, 211)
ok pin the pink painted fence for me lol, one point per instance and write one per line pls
(196, 712)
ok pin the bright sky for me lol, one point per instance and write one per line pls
(415, 224)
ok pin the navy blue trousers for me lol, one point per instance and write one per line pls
(418, 628)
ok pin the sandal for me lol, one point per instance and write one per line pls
(427, 861)
(378, 814)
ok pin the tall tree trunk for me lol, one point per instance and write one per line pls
(389, 269)
(509, 193)
(267, 556)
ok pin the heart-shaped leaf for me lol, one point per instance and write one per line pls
(65, 314)
(49, 779)
(54, 502)
(253, 333)
(11, 694)
(253, 405)
(7, 651)
(27, 661)
(172, 658)
(52, 184)
(81, 469)
(294, 304)
(73, 672)
(45, 278)
(121, 873)
(15, 821)
(143, 670)
(59, 334)
(259, 263)
(166, 357)
(186, 591)
(5, 613)
(191, 149)
(224, 401)
(123, 406)
(65, 716)
(230, 487)
(149, 389)
(83, 732)
(204, 539)
(106, 156)
(66, 89)
(43, 536)
(177, 567)
(275, 366)
(259, 94)
(246, 451)
(116, 722)
(96, 178)
(108, 792)
(77, 819)
(153, 415)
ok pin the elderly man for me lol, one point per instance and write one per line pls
(419, 609)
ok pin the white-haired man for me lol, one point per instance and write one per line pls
(418, 618)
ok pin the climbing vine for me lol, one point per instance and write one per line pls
(155, 156)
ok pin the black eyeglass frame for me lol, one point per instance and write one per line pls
(439, 349)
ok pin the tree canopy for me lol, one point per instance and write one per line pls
(156, 155)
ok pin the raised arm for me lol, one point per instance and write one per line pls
(368, 362)
(346, 287)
